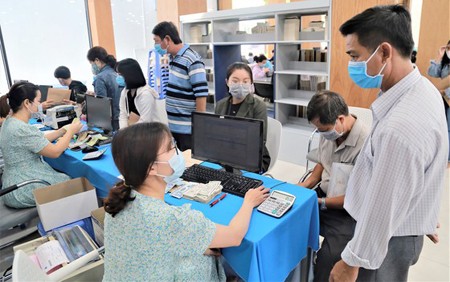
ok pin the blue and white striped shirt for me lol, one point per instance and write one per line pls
(187, 82)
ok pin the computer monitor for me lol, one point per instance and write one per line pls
(98, 112)
(44, 91)
(233, 142)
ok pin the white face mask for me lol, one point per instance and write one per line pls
(38, 114)
(448, 53)
(240, 91)
(332, 134)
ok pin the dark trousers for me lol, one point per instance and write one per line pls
(402, 252)
(183, 141)
(337, 228)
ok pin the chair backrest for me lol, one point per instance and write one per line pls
(273, 139)
(363, 114)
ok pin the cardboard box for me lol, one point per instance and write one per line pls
(98, 223)
(65, 202)
(92, 271)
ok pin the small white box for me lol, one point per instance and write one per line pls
(65, 202)
(98, 223)
(291, 29)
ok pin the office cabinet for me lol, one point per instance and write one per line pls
(299, 32)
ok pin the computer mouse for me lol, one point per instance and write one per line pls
(89, 149)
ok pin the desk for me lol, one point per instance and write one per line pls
(271, 248)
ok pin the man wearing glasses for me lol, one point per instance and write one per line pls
(341, 137)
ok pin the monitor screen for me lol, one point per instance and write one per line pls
(44, 91)
(230, 141)
(98, 112)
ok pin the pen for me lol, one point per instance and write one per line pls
(218, 200)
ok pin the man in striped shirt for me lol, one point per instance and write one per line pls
(395, 188)
(187, 88)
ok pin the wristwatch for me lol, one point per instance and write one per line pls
(323, 205)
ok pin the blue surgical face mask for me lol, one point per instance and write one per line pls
(177, 164)
(160, 50)
(358, 73)
(95, 69)
(120, 81)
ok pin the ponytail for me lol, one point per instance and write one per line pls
(18, 93)
(111, 61)
(118, 198)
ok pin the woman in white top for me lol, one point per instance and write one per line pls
(138, 102)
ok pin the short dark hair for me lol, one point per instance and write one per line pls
(62, 72)
(164, 29)
(133, 160)
(18, 93)
(239, 66)
(259, 58)
(132, 73)
(100, 53)
(327, 106)
(380, 24)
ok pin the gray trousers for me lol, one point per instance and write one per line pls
(402, 252)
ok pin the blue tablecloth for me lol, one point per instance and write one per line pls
(271, 248)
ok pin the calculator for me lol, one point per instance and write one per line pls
(277, 204)
(94, 155)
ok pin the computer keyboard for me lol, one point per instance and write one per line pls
(232, 183)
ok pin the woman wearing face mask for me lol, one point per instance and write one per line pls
(138, 102)
(241, 102)
(105, 83)
(440, 67)
(23, 145)
(149, 240)
(263, 67)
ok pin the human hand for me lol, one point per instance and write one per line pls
(266, 70)
(212, 252)
(256, 196)
(90, 93)
(343, 272)
(47, 104)
(440, 53)
(434, 237)
(69, 102)
(74, 127)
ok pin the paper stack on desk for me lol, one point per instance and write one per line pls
(198, 191)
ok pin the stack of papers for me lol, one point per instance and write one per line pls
(198, 191)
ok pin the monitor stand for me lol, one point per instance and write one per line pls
(231, 169)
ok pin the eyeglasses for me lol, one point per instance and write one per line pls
(173, 145)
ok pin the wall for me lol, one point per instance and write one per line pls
(133, 22)
(100, 17)
(340, 82)
(171, 10)
(434, 32)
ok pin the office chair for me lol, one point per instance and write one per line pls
(264, 90)
(17, 223)
(273, 142)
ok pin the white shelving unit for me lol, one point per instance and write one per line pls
(219, 32)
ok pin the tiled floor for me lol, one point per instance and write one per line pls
(434, 264)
